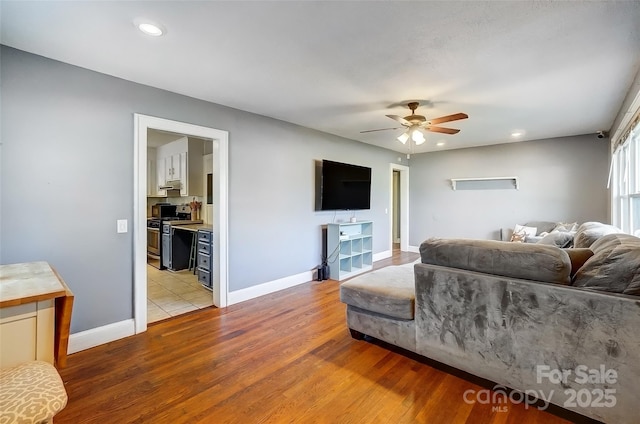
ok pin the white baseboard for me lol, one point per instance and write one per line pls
(381, 255)
(414, 249)
(269, 287)
(119, 330)
(100, 335)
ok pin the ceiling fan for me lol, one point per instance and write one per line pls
(415, 124)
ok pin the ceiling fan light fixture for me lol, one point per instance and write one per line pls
(417, 137)
(403, 137)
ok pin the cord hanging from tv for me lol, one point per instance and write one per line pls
(343, 186)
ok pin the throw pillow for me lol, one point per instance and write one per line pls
(521, 232)
(566, 227)
(558, 239)
(518, 237)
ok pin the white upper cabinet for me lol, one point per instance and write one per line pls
(173, 166)
(181, 160)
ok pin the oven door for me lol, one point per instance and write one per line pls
(153, 241)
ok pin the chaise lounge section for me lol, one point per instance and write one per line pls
(515, 313)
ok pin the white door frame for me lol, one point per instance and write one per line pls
(404, 206)
(221, 241)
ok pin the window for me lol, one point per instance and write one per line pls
(626, 183)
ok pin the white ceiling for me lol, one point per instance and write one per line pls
(549, 68)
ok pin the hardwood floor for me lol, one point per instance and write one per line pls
(282, 358)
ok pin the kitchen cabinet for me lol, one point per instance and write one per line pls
(155, 176)
(205, 264)
(181, 160)
(175, 167)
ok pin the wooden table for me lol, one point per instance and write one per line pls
(35, 314)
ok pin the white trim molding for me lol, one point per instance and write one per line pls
(381, 255)
(269, 287)
(273, 286)
(100, 335)
(404, 206)
(414, 249)
(142, 123)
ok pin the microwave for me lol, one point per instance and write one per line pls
(163, 210)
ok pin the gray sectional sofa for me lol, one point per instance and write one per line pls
(520, 315)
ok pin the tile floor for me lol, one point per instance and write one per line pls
(174, 293)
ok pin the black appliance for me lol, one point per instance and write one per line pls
(158, 254)
(163, 210)
(342, 186)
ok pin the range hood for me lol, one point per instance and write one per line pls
(173, 188)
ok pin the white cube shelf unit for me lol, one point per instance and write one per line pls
(349, 249)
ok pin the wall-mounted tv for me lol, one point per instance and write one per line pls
(343, 187)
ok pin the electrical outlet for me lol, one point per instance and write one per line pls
(122, 225)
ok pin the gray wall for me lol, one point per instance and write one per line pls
(561, 179)
(67, 176)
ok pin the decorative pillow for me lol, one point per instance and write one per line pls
(529, 231)
(566, 227)
(558, 239)
(518, 237)
(521, 232)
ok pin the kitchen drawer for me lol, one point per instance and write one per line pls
(204, 236)
(204, 247)
(204, 277)
(204, 261)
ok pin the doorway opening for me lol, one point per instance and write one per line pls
(399, 208)
(216, 211)
(178, 280)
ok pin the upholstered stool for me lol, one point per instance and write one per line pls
(31, 392)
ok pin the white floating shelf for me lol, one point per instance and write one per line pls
(485, 183)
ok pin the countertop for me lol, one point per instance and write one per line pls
(28, 282)
(183, 222)
(195, 227)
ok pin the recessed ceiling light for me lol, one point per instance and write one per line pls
(440, 143)
(149, 28)
(517, 133)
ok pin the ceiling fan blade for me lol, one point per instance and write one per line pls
(448, 118)
(442, 130)
(400, 119)
(381, 129)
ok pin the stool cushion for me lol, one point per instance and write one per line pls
(31, 392)
(389, 291)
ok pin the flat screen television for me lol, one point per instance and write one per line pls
(343, 187)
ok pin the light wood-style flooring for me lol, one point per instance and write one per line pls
(282, 358)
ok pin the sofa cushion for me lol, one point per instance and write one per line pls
(589, 232)
(578, 258)
(542, 226)
(518, 260)
(389, 291)
(614, 266)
